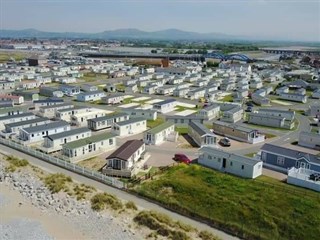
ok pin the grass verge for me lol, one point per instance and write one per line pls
(100, 201)
(163, 225)
(57, 182)
(15, 163)
(251, 209)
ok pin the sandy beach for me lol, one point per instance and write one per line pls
(15, 209)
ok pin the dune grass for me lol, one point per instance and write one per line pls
(246, 208)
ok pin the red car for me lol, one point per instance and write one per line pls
(181, 158)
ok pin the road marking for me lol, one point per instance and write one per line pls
(286, 139)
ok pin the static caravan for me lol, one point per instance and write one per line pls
(87, 147)
(159, 134)
(230, 163)
(129, 127)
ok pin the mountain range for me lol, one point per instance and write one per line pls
(121, 34)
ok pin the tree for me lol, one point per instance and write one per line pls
(154, 51)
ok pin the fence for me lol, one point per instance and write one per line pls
(64, 164)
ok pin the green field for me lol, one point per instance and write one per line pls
(6, 56)
(251, 209)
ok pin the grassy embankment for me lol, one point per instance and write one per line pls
(251, 209)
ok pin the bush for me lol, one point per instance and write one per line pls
(161, 223)
(57, 182)
(131, 205)
(102, 200)
(205, 235)
(17, 162)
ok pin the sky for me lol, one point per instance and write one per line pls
(262, 19)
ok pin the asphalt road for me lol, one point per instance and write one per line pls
(119, 193)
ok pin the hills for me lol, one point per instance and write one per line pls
(121, 34)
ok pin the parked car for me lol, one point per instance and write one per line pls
(249, 109)
(181, 158)
(225, 142)
(249, 104)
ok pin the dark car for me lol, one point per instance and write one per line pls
(249, 104)
(249, 109)
(181, 158)
(225, 142)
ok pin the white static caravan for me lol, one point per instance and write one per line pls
(165, 106)
(54, 142)
(201, 135)
(15, 118)
(87, 147)
(50, 111)
(106, 121)
(80, 119)
(159, 134)
(129, 127)
(230, 163)
(90, 96)
(65, 114)
(37, 133)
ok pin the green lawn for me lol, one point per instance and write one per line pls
(181, 130)
(181, 108)
(91, 77)
(6, 56)
(252, 209)
(251, 155)
(157, 122)
(228, 98)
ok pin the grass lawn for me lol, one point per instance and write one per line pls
(181, 108)
(227, 98)
(251, 155)
(157, 122)
(269, 135)
(181, 130)
(94, 163)
(251, 209)
(120, 87)
(6, 56)
(91, 77)
(266, 127)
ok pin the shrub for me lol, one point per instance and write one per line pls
(131, 205)
(161, 223)
(205, 235)
(102, 200)
(16, 163)
(57, 182)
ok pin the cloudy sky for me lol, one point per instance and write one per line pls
(267, 19)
